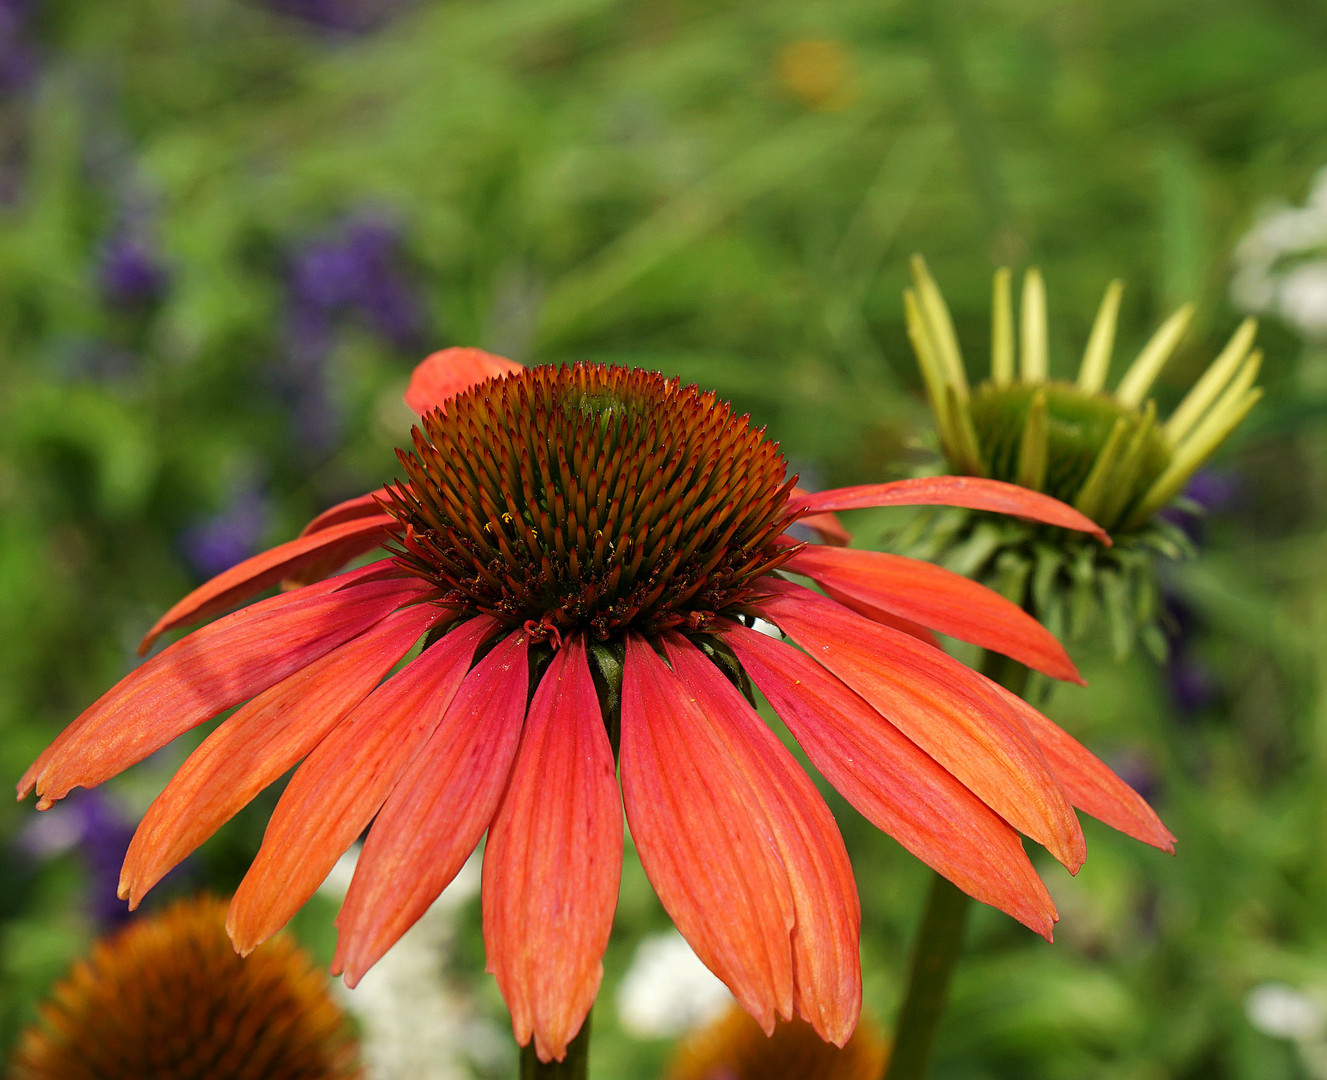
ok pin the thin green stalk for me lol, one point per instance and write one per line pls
(575, 1066)
(939, 940)
(934, 957)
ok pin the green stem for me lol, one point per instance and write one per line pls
(575, 1066)
(934, 957)
(939, 941)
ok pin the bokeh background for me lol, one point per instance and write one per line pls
(228, 228)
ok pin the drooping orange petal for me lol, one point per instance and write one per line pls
(941, 705)
(1090, 783)
(361, 506)
(826, 937)
(211, 670)
(553, 860)
(937, 598)
(893, 783)
(343, 542)
(440, 377)
(826, 526)
(260, 742)
(972, 492)
(880, 615)
(334, 558)
(438, 810)
(691, 814)
(334, 794)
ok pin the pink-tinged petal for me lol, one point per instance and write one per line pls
(438, 810)
(826, 937)
(939, 599)
(700, 840)
(893, 783)
(943, 706)
(554, 860)
(826, 526)
(260, 742)
(361, 506)
(880, 615)
(356, 509)
(337, 544)
(440, 377)
(334, 794)
(972, 492)
(1090, 783)
(211, 670)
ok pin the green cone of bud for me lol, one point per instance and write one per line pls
(1107, 453)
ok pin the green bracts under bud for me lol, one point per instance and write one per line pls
(1106, 453)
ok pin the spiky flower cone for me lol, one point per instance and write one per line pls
(167, 998)
(1104, 452)
(734, 1048)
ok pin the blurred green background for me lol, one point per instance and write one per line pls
(228, 229)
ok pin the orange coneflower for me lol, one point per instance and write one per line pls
(166, 998)
(734, 1048)
(584, 550)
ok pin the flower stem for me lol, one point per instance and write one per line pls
(939, 941)
(934, 958)
(575, 1066)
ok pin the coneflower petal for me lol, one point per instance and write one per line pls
(438, 810)
(1090, 783)
(826, 526)
(939, 599)
(880, 615)
(361, 506)
(690, 809)
(211, 670)
(334, 794)
(942, 706)
(893, 783)
(446, 373)
(826, 938)
(356, 509)
(261, 741)
(972, 492)
(553, 860)
(338, 543)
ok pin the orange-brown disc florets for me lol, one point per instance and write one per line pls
(591, 498)
(168, 998)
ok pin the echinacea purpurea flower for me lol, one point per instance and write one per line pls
(166, 998)
(584, 550)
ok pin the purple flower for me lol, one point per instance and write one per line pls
(347, 16)
(356, 273)
(18, 58)
(217, 543)
(353, 272)
(129, 272)
(1210, 490)
(91, 825)
(1191, 683)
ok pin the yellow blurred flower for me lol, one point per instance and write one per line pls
(819, 72)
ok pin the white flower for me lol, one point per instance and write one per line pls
(1281, 263)
(668, 990)
(1285, 1013)
(416, 1026)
